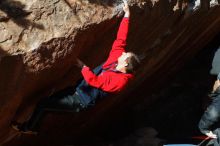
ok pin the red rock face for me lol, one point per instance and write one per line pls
(41, 40)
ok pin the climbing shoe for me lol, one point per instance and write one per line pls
(22, 128)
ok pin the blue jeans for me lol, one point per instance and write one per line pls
(61, 101)
(211, 116)
(210, 119)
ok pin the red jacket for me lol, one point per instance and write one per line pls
(109, 80)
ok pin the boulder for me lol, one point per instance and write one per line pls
(40, 40)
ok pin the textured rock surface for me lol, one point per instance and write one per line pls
(41, 39)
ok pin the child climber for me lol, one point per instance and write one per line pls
(109, 78)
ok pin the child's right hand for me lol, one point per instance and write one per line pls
(126, 8)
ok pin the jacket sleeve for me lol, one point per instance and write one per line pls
(208, 119)
(103, 82)
(91, 78)
(119, 44)
(211, 115)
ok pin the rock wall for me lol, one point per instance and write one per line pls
(41, 39)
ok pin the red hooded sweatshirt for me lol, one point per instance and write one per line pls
(110, 80)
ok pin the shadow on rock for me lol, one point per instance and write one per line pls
(15, 11)
(146, 136)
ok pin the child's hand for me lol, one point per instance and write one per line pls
(126, 9)
(211, 135)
